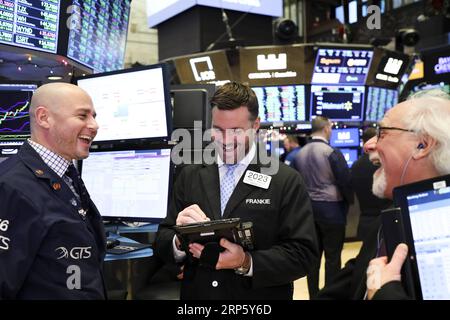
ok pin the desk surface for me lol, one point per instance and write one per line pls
(142, 253)
(121, 228)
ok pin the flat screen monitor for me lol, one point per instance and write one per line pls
(131, 104)
(379, 100)
(345, 137)
(281, 103)
(160, 11)
(350, 155)
(341, 66)
(98, 36)
(30, 24)
(429, 86)
(14, 111)
(338, 103)
(131, 185)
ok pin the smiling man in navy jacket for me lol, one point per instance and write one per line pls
(280, 210)
(52, 235)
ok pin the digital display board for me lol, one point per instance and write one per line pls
(338, 103)
(341, 66)
(131, 104)
(345, 137)
(32, 24)
(160, 11)
(281, 103)
(98, 36)
(350, 155)
(14, 111)
(379, 100)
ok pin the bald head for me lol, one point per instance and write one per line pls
(54, 96)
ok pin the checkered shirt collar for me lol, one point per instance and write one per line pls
(51, 159)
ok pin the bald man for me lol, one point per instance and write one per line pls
(52, 241)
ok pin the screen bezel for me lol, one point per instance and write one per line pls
(137, 148)
(410, 270)
(168, 105)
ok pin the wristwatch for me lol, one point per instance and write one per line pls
(245, 267)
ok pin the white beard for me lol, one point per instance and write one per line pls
(379, 184)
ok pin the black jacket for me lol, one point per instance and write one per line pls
(284, 235)
(50, 251)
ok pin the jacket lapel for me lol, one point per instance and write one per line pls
(34, 162)
(209, 177)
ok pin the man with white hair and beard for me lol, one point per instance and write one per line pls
(412, 144)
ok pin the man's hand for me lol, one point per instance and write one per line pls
(231, 258)
(380, 272)
(191, 214)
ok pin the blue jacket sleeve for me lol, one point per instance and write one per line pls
(342, 174)
(21, 233)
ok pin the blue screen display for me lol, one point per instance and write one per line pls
(379, 100)
(341, 66)
(281, 103)
(338, 103)
(348, 137)
(350, 155)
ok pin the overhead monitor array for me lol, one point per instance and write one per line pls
(30, 24)
(90, 32)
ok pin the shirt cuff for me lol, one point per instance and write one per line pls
(179, 255)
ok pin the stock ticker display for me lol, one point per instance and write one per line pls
(281, 103)
(30, 24)
(98, 33)
(14, 111)
(341, 66)
(338, 103)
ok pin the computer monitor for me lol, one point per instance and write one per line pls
(131, 104)
(379, 100)
(345, 137)
(350, 155)
(30, 24)
(129, 185)
(341, 66)
(14, 111)
(281, 103)
(97, 34)
(338, 103)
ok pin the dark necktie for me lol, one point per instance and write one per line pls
(78, 185)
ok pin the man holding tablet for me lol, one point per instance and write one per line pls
(237, 186)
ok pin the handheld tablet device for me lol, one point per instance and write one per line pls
(212, 231)
(424, 225)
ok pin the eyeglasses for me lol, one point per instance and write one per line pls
(380, 129)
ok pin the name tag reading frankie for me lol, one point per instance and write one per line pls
(257, 179)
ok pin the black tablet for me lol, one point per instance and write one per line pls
(214, 230)
(424, 225)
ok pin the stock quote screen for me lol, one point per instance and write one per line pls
(341, 66)
(14, 111)
(379, 100)
(281, 103)
(98, 34)
(338, 103)
(30, 24)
